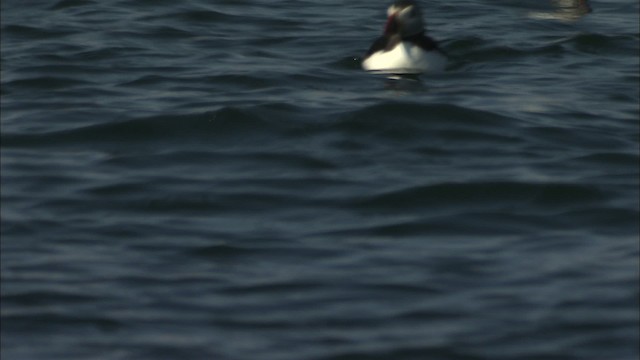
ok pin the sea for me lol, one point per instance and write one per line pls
(220, 179)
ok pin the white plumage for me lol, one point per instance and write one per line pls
(405, 58)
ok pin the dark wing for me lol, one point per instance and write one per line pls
(426, 43)
(384, 43)
(379, 44)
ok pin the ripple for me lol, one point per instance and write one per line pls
(594, 43)
(45, 322)
(221, 124)
(456, 194)
(408, 121)
(45, 82)
(33, 32)
(65, 4)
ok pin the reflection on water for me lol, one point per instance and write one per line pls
(565, 10)
(404, 84)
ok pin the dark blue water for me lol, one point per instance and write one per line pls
(220, 180)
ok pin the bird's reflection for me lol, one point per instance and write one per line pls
(565, 10)
(404, 84)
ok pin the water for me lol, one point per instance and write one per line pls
(220, 180)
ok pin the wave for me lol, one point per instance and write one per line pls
(34, 32)
(594, 43)
(473, 49)
(387, 120)
(44, 83)
(220, 124)
(65, 4)
(485, 194)
(51, 321)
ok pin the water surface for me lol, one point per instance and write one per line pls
(222, 181)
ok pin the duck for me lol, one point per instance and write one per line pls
(404, 47)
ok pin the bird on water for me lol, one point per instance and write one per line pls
(404, 47)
